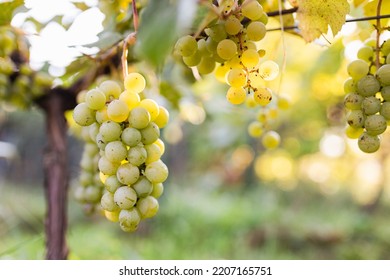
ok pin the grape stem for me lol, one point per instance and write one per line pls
(130, 40)
(378, 32)
(135, 15)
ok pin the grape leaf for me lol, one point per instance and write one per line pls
(7, 9)
(314, 16)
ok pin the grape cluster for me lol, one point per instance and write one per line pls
(19, 85)
(266, 119)
(229, 47)
(368, 96)
(124, 150)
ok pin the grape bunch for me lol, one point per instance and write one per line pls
(229, 46)
(19, 84)
(124, 150)
(368, 96)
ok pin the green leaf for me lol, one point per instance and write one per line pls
(160, 24)
(314, 16)
(7, 9)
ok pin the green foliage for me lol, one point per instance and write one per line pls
(7, 9)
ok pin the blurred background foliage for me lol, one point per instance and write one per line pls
(315, 197)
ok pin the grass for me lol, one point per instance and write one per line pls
(197, 223)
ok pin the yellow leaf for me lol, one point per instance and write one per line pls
(357, 3)
(314, 16)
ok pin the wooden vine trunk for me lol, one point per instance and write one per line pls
(56, 178)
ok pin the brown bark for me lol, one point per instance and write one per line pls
(56, 178)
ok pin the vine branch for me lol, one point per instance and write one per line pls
(378, 32)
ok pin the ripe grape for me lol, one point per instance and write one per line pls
(383, 75)
(236, 78)
(263, 96)
(269, 70)
(226, 49)
(110, 131)
(353, 133)
(368, 86)
(255, 129)
(111, 89)
(356, 118)
(151, 106)
(250, 58)
(137, 155)
(129, 219)
(366, 53)
(375, 124)
(353, 101)
(270, 139)
(233, 25)
(236, 95)
(385, 110)
(371, 105)
(252, 9)
(143, 187)
(127, 174)
(368, 143)
(148, 207)
(163, 117)
(186, 46)
(108, 203)
(357, 69)
(131, 136)
(158, 190)
(156, 172)
(83, 115)
(139, 117)
(256, 31)
(117, 110)
(115, 151)
(135, 82)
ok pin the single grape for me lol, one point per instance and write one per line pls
(233, 25)
(158, 190)
(137, 155)
(162, 118)
(366, 53)
(110, 131)
(371, 105)
(250, 58)
(357, 69)
(112, 216)
(107, 202)
(283, 102)
(385, 48)
(262, 96)
(150, 133)
(129, 220)
(383, 75)
(111, 89)
(115, 151)
(350, 86)
(269, 70)
(139, 117)
(255, 129)
(375, 124)
(226, 49)
(353, 101)
(385, 110)
(356, 118)
(385, 92)
(236, 95)
(125, 197)
(151, 106)
(143, 187)
(192, 60)
(186, 46)
(153, 152)
(251, 9)
(256, 31)
(117, 110)
(135, 82)
(161, 145)
(92, 194)
(107, 167)
(236, 78)
(368, 86)
(83, 115)
(270, 140)
(112, 183)
(156, 172)
(353, 133)
(131, 99)
(217, 32)
(101, 115)
(368, 143)
(147, 207)
(131, 136)
(127, 174)
(206, 65)
(221, 71)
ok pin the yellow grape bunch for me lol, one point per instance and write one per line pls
(367, 97)
(121, 166)
(229, 47)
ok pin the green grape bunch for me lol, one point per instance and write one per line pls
(367, 97)
(228, 47)
(123, 151)
(19, 84)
